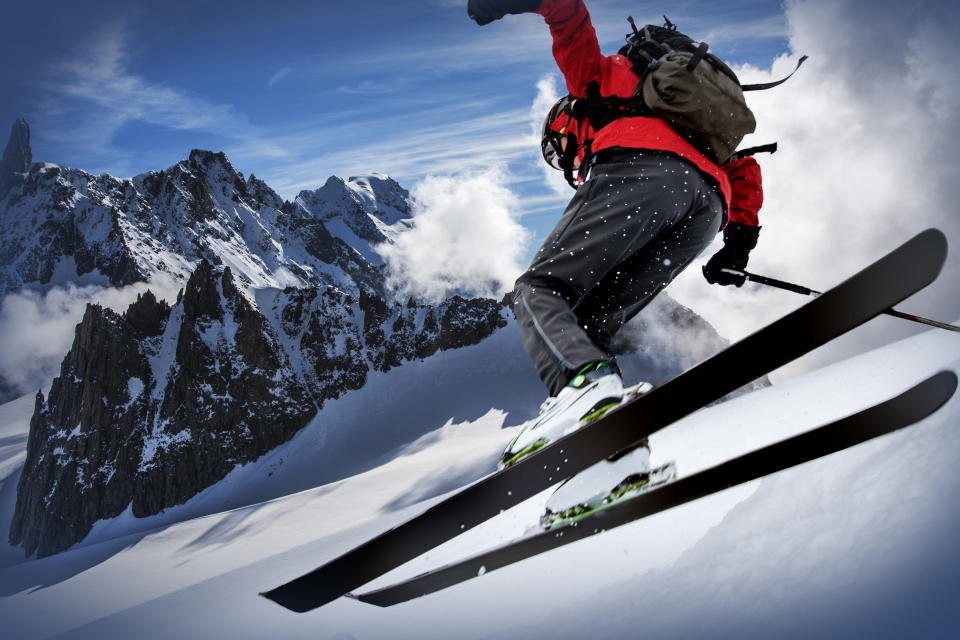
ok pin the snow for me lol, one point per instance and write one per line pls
(14, 426)
(135, 387)
(338, 229)
(158, 439)
(859, 544)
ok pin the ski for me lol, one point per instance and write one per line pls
(886, 282)
(908, 408)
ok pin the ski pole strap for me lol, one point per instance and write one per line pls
(789, 286)
(770, 85)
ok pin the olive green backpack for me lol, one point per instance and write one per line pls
(680, 82)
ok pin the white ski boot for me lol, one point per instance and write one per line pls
(594, 391)
(606, 483)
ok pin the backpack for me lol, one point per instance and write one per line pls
(680, 82)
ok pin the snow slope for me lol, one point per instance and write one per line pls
(856, 545)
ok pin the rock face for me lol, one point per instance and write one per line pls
(78, 436)
(341, 338)
(151, 407)
(155, 405)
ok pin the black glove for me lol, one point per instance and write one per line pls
(738, 240)
(486, 11)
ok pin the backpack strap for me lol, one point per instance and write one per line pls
(697, 56)
(743, 153)
(769, 85)
(567, 160)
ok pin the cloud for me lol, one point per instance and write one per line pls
(867, 159)
(548, 92)
(93, 95)
(407, 145)
(465, 239)
(37, 329)
(101, 77)
(281, 73)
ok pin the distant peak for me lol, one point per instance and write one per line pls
(18, 157)
(204, 158)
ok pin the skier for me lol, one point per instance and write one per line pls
(647, 204)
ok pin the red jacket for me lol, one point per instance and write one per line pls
(577, 52)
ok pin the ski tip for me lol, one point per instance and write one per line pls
(295, 604)
(934, 233)
(946, 385)
(934, 242)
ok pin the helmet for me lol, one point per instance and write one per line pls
(551, 141)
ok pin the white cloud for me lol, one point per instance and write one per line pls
(441, 140)
(465, 239)
(95, 94)
(548, 92)
(281, 73)
(867, 159)
(102, 77)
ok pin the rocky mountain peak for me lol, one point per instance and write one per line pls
(17, 157)
(363, 211)
(209, 162)
(261, 191)
(147, 315)
(382, 196)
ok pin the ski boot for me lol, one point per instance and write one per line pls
(594, 391)
(618, 478)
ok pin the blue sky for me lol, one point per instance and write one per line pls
(296, 91)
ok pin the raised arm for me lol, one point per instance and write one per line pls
(575, 45)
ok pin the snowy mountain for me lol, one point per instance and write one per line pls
(857, 545)
(66, 225)
(284, 308)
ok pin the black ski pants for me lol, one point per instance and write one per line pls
(638, 220)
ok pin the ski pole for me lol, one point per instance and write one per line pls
(789, 286)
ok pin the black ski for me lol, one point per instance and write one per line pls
(908, 408)
(883, 284)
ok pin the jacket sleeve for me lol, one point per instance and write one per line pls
(575, 45)
(746, 189)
